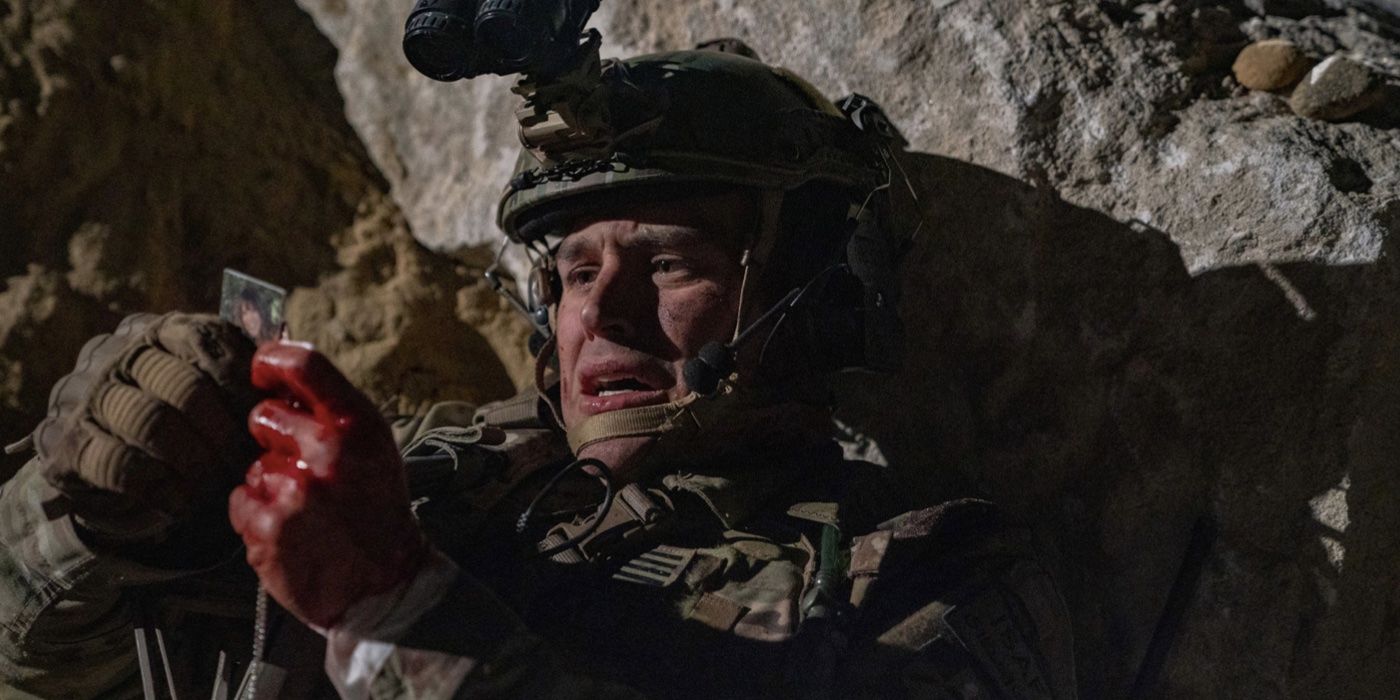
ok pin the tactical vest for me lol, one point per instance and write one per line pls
(814, 591)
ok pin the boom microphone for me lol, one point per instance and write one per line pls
(716, 360)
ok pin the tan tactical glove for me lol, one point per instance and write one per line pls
(151, 426)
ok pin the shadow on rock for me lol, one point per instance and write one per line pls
(1067, 365)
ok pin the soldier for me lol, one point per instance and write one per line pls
(665, 515)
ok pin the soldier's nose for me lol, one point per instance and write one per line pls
(610, 309)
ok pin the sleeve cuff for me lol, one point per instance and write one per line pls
(358, 647)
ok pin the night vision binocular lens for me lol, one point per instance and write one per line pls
(503, 27)
(453, 39)
(437, 38)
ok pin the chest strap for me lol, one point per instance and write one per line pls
(634, 517)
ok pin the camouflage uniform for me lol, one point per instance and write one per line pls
(701, 584)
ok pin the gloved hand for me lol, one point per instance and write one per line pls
(148, 428)
(324, 512)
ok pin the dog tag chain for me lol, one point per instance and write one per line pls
(262, 680)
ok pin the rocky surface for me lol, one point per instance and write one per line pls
(135, 165)
(440, 147)
(1148, 296)
(409, 326)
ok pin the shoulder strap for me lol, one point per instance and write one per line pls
(524, 410)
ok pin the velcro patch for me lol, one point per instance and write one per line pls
(716, 612)
(659, 567)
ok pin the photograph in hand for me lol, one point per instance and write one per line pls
(253, 305)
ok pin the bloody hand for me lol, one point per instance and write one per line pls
(325, 511)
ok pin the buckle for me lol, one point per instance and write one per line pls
(633, 514)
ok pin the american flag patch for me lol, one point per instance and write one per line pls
(659, 567)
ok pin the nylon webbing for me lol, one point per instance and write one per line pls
(642, 421)
(519, 411)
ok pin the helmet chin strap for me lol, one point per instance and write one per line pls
(696, 427)
(680, 418)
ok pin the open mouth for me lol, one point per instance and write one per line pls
(620, 386)
(612, 388)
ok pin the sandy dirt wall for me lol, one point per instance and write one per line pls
(145, 146)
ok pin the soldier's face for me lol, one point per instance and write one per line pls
(644, 288)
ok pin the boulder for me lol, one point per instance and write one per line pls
(1336, 89)
(1273, 64)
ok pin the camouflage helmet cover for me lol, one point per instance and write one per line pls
(699, 116)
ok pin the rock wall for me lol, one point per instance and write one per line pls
(1151, 300)
(135, 164)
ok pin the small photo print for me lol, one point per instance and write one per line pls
(253, 305)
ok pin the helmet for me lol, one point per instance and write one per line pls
(717, 116)
(697, 116)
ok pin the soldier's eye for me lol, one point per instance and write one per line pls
(580, 276)
(667, 265)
